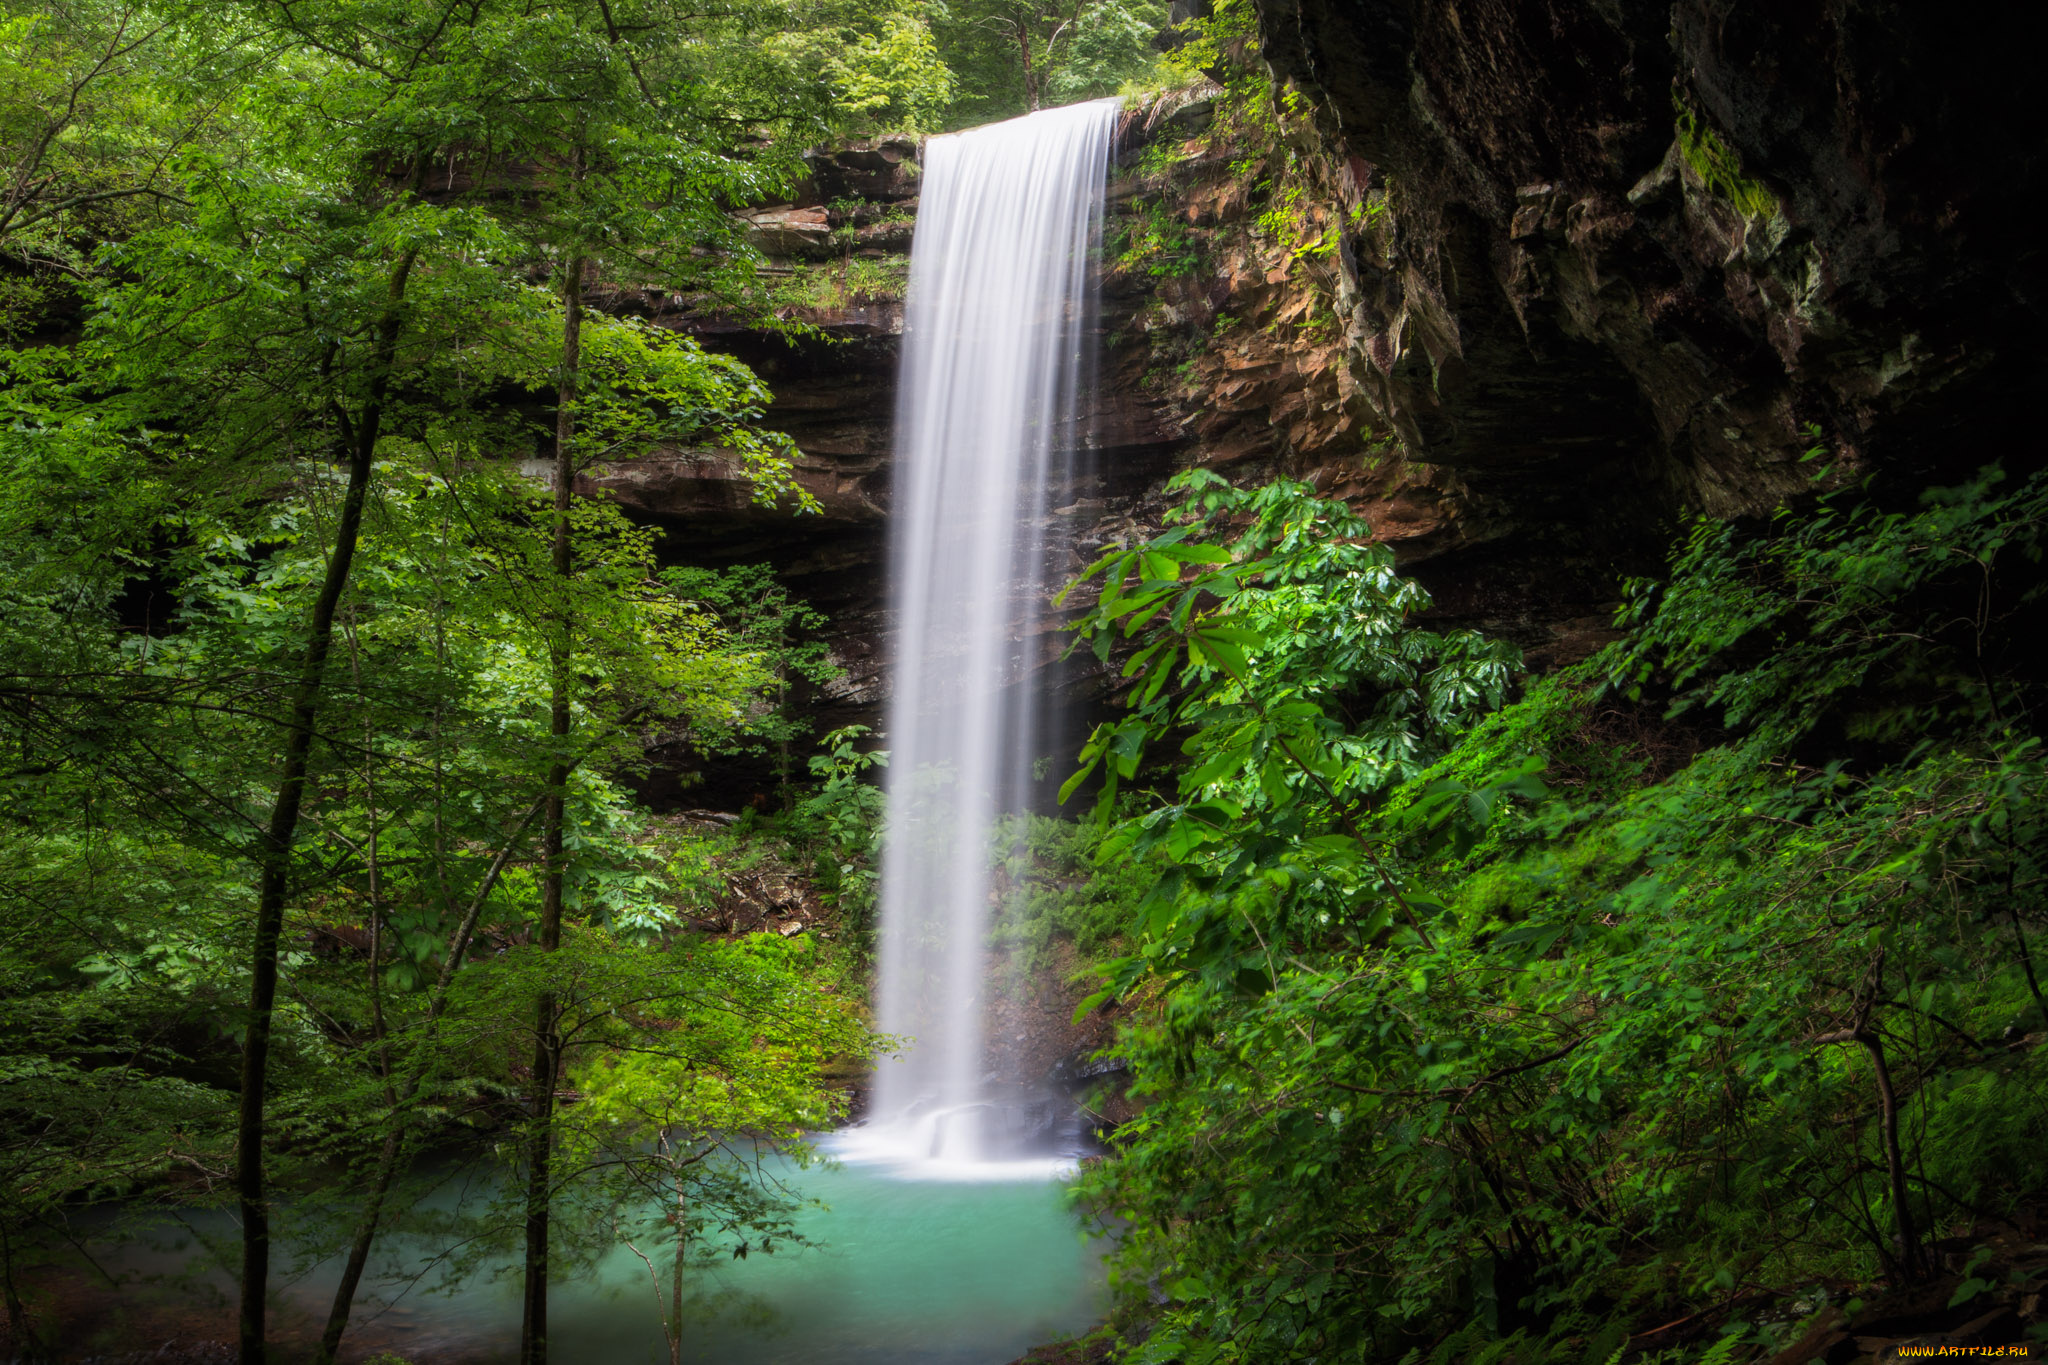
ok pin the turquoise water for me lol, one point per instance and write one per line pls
(908, 1272)
(913, 1271)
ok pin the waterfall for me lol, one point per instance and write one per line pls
(999, 301)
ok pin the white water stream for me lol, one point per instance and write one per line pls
(1000, 293)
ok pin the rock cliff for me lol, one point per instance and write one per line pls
(1663, 249)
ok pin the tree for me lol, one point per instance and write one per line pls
(97, 106)
(333, 314)
(311, 321)
(612, 116)
(1017, 56)
(695, 1070)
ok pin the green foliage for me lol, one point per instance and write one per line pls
(1718, 165)
(1151, 239)
(692, 1061)
(1221, 46)
(642, 386)
(1107, 49)
(1483, 1059)
(95, 111)
(836, 285)
(780, 635)
(1290, 223)
(696, 1064)
(1012, 56)
(1288, 653)
(891, 76)
(1799, 628)
(308, 250)
(844, 819)
(845, 808)
(433, 769)
(1060, 890)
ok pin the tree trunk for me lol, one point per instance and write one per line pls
(359, 1250)
(2019, 938)
(533, 1329)
(275, 853)
(675, 1341)
(21, 1333)
(394, 1141)
(1030, 76)
(1911, 1263)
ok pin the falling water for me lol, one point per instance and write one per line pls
(999, 293)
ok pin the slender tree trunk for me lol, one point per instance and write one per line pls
(386, 1170)
(359, 1248)
(547, 1051)
(2019, 938)
(1910, 1260)
(1030, 76)
(675, 1341)
(1911, 1263)
(21, 1335)
(274, 885)
(387, 1157)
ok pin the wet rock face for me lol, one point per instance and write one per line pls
(1650, 247)
(875, 170)
(1238, 333)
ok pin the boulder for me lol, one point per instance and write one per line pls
(784, 230)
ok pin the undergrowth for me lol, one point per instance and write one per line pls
(853, 281)
(1703, 975)
(1054, 890)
